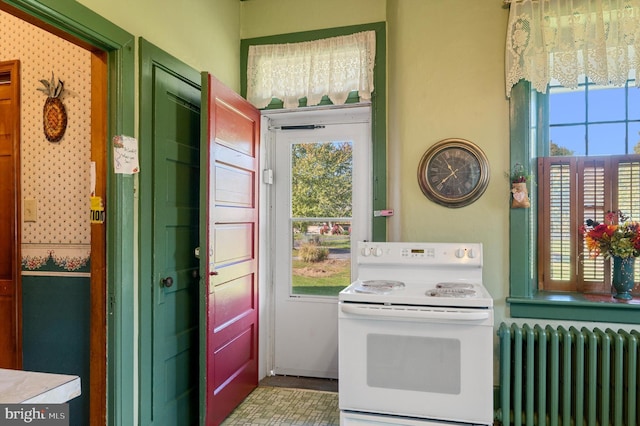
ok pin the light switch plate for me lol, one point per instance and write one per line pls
(30, 210)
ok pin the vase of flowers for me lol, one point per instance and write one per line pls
(617, 238)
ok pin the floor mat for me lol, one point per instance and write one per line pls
(268, 405)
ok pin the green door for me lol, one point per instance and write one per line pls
(176, 175)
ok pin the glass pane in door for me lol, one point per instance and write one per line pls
(321, 210)
(321, 257)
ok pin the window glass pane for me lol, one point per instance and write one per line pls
(634, 102)
(321, 175)
(567, 140)
(606, 104)
(321, 257)
(634, 138)
(566, 106)
(607, 139)
(321, 208)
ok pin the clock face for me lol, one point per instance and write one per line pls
(454, 173)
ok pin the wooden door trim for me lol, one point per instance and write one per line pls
(18, 219)
(98, 326)
(113, 304)
(13, 67)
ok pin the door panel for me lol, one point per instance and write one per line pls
(10, 288)
(176, 176)
(232, 251)
(322, 192)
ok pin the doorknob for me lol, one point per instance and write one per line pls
(167, 282)
(212, 273)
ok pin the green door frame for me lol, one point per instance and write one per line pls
(72, 18)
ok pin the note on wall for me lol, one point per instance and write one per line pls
(125, 155)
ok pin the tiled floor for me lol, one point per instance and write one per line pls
(271, 404)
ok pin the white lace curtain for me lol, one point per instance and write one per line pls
(333, 66)
(569, 39)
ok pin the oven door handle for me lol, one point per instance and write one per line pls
(416, 313)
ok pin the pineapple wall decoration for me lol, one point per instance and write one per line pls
(54, 114)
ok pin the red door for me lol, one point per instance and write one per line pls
(232, 251)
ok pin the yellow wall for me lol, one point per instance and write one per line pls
(268, 17)
(204, 34)
(445, 77)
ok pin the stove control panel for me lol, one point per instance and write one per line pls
(420, 253)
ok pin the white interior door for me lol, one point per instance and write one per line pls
(321, 207)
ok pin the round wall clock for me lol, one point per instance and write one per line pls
(453, 173)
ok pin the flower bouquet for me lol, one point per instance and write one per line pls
(618, 238)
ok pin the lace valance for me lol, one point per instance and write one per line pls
(333, 67)
(566, 40)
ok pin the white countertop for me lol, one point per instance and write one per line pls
(17, 386)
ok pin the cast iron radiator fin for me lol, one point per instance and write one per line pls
(554, 376)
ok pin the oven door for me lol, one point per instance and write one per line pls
(430, 363)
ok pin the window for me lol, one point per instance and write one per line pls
(572, 190)
(591, 168)
(583, 140)
(531, 125)
(378, 102)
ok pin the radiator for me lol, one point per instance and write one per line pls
(558, 376)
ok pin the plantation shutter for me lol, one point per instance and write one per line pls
(560, 221)
(629, 188)
(572, 190)
(593, 206)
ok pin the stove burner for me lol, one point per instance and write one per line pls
(378, 286)
(454, 285)
(451, 292)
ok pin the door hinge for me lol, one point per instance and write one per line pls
(267, 176)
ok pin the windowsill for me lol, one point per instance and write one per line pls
(576, 307)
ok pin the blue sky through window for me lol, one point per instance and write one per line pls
(595, 124)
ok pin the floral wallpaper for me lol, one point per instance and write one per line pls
(56, 175)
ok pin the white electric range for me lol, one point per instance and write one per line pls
(416, 337)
